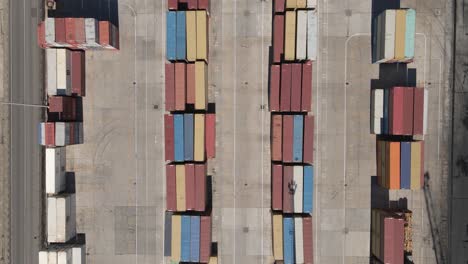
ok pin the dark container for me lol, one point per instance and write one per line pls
(276, 137)
(180, 82)
(188, 137)
(308, 139)
(296, 83)
(288, 196)
(171, 200)
(288, 132)
(167, 234)
(169, 137)
(306, 104)
(405, 165)
(78, 73)
(104, 33)
(396, 110)
(205, 239)
(190, 201)
(278, 37)
(418, 113)
(277, 187)
(275, 88)
(170, 86)
(408, 94)
(200, 187)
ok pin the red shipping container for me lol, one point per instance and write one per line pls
(210, 135)
(200, 187)
(60, 32)
(296, 83)
(180, 76)
(418, 112)
(308, 148)
(306, 104)
(393, 251)
(49, 134)
(56, 104)
(204, 4)
(288, 132)
(408, 94)
(191, 83)
(78, 74)
(190, 186)
(278, 37)
(277, 187)
(286, 75)
(70, 29)
(308, 237)
(62, 108)
(169, 137)
(172, 4)
(192, 4)
(104, 33)
(275, 88)
(276, 137)
(170, 86)
(41, 35)
(205, 238)
(171, 200)
(279, 5)
(288, 196)
(396, 111)
(80, 31)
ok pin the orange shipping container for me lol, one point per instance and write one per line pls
(393, 165)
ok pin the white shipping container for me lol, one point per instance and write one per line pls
(312, 35)
(51, 220)
(311, 3)
(55, 170)
(389, 44)
(43, 257)
(92, 32)
(78, 255)
(52, 258)
(50, 31)
(301, 35)
(376, 110)
(60, 134)
(426, 105)
(298, 175)
(51, 62)
(41, 133)
(62, 257)
(62, 72)
(61, 219)
(299, 240)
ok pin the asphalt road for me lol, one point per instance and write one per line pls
(26, 159)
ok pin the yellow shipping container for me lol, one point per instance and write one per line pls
(180, 188)
(278, 236)
(400, 32)
(202, 35)
(291, 3)
(290, 36)
(213, 260)
(301, 3)
(176, 236)
(416, 165)
(201, 85)
(191, 23)
(199, 143)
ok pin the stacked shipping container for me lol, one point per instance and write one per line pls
(59, 134)
(61, 218)
(186, 187)
(188, 4)
(73, 254)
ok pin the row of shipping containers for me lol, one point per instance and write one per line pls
(77, 33)
(292, 239)
(73, 254)
(65, 72)
(400, 164)
(65, 109)
(61, 218)
(188, 238)
(187, 35)
(186, 86)
(59, 134)
(292, 188)
(292, 138)
(189, 137)
(291, 87)
(399, 111)
(281, 5)
(295, 36)
(186, 187)
(188, 4)
(394, 36)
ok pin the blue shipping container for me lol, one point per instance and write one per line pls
(308, 202)
(179, 137)
(195, 239)
(385, 113)
(410, 33)
(167, 234)
(185, 238)
(405, 165)
(188, 137)
(171, 35)
(298, 138)
(288, 240)
(181, 36)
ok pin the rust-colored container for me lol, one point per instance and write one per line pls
(308, 237)
(205, 238)
(192, 4)
(70, 30)
(180, 75)
(204, 4)
(172, 4)
(296, 83)
(210, 135)
(170, 86)
(78, 74)
(190, 186)
(191, 83)
(285, 94)
(396, 110)
(288, 131)
(408, 94)
(308, 149)
(200, 187)
(279, 6)
(63, 109)
(393, 241)
(393, 165)
(276, 137)
(80, 31)
(275, 88)
(104, 33)
(277, 187)
(288, 196)
(278, 37)
(171, 204)
(60, 32)
(306, 104)
(41, 35)
(50, 134)
(418, 113)
(169, 137)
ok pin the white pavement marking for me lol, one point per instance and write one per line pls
(235, 129)
(146, 135)
(263, 125)
(24, 114)
(439, 113)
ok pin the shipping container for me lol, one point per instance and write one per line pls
(61, 218)
(171, 25)
(410, 34)
(200, 187)
(191, 83)
(55, 170)
(192, 4)
(62, 88)
(172, 4)
(405, 165)
(194, 238)
(92, 32)
(308, 196)
(288, 134)
(377, 105)
(51, 219)
(61, 134)
(52, 258)
(78, 73)
(393, 162)
(180, 86)
(308, 149)
(43, 257)
(278, 36)
(288, 195)
(298, 179)
(298, 138)
(277, 187)
(104, 34)
(306, 100)
(288, 240)
(170, 86)
(291, 4)
(408, 109)
(179, 137)
(389, 43)
(169, 134)
(290, 35)
(299, 239)
(181, 36)
(49, 28)
(205, 238)
(180, 188)
(60, 32)
(308, 237)
(204, 4)
(301, 31)
(275, 88)
(201, 85)
(418, 112)
(276, 137)
(168, 233)
(416, 165)
(301, 3)
(70, 31)
(312, 38)
(190, 188)
(64, 108)
(51, 71)
(385, 114)
(277, 236)
(188, 137)
(296, 83)
(279, 6)
(311, 3)
(80, 32)
(396, 111)
(171, 200)
(285, 93)
(191, 36)
(400, 30)
(185, 238)
(426, 107)
(202, 35)
(199, 144)
(211, 135)
(176, 238)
